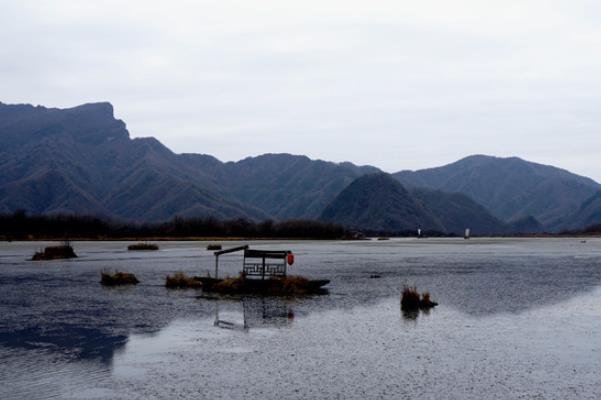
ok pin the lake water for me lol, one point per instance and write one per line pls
(518, 319)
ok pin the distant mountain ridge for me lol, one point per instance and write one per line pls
(457, 212)
(510, 188)
(82, 160)
(587, 215)
(289, 186)
(377, 202)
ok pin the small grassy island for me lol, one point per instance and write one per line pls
(60, 252)
(411, 300)
(118, 279)
(280, 286)
(143, 246)
(179, 280)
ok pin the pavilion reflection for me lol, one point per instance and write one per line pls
(256, 312)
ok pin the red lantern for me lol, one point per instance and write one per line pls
(290, 258)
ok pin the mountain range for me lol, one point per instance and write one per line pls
(82, 160)
(377, 202)
(510, 188)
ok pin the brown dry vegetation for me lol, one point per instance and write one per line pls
(179, 280)
(412, 300)
(63, 251)
(285, 286)
(426, 301)
(118, 278)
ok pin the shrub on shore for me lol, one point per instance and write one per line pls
(118, 278)
(179, 280)
(63, 251)
(142, 246)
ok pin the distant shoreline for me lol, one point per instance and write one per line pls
(20, 226)
(160, 239)
(241, 239)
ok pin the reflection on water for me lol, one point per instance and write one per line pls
(412, 315)
(370, 352)
(257, 312)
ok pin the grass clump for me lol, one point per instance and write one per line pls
(411, 300)
(63, 251)
(118, 278)
(227, 285)
(296, 285)
(142, 246)
(214, 246)
(179, 280)
(284, 286)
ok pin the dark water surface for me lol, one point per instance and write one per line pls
(518, 318)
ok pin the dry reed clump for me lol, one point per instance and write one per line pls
(142, 246)
(426, 301)
(296, 285)
(214, 246)
(229, 285)
(62, 251)
(284, 286)
(118, 278)
(179, 280)
(412, 300)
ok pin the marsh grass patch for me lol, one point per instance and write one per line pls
(59, 252)
(412, 300)
(118, 278)
(179, 280)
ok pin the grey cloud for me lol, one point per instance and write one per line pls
(396, 84)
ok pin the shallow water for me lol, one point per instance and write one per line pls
(518, 318)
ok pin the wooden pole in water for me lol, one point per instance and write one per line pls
(227, 251)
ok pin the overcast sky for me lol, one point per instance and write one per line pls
(396, 84)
